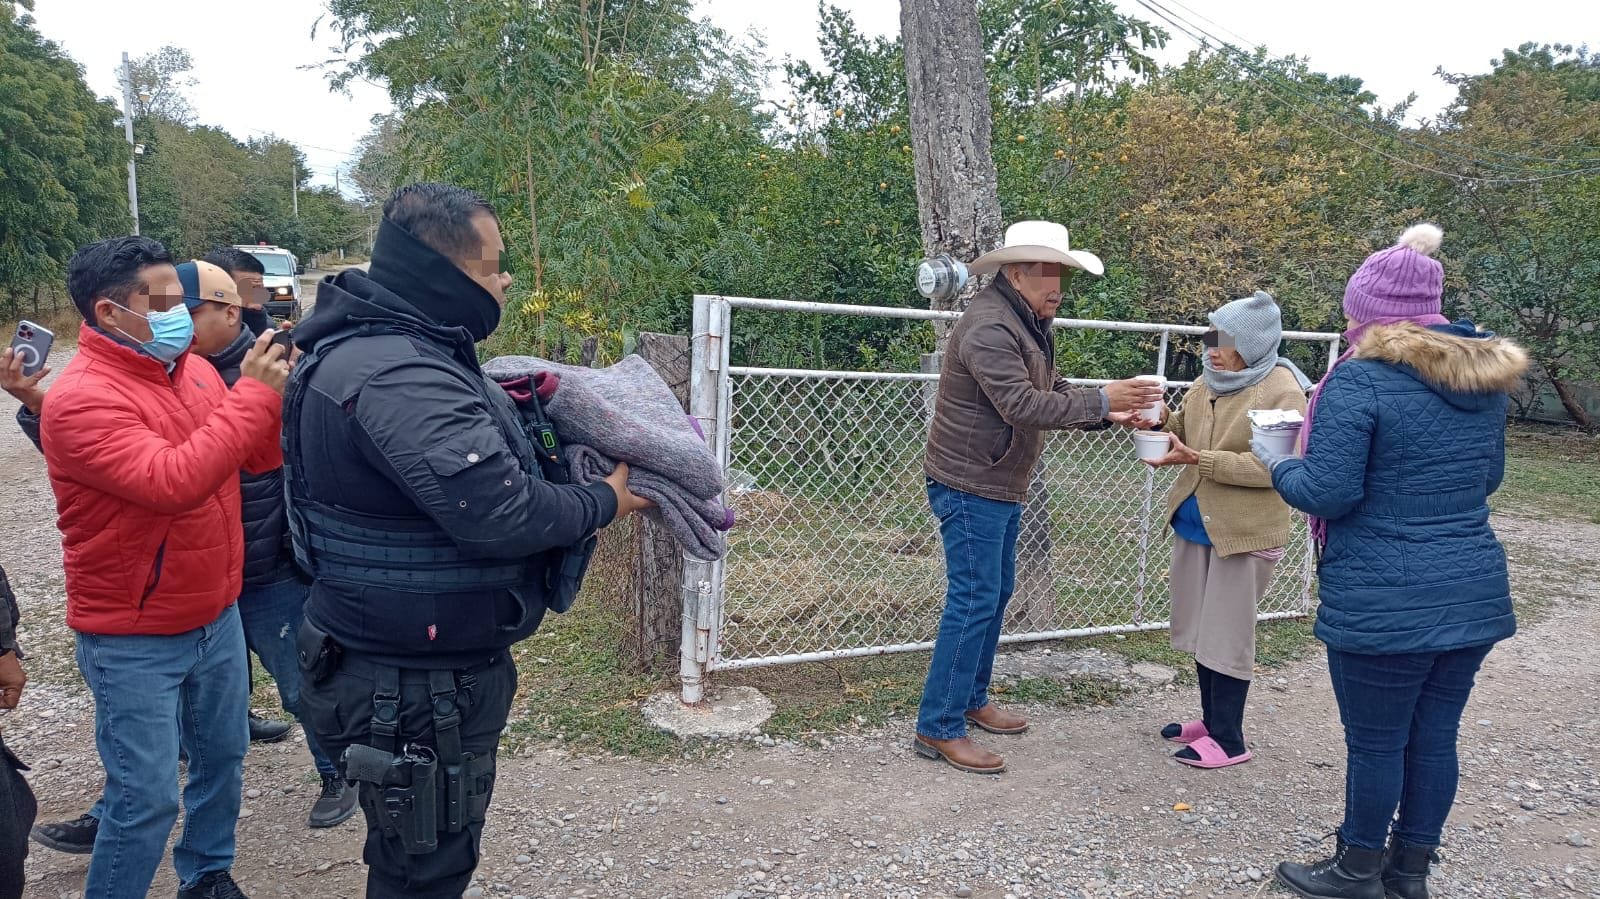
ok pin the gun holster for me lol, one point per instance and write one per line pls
(402, 789)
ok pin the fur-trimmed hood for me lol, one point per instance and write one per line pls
(1460, 362)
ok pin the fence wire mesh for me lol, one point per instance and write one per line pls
(836, 549)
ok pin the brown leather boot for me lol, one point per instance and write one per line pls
(960, 753)
(996, 720)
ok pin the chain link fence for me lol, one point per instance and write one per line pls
(836, 553)
(837, 550)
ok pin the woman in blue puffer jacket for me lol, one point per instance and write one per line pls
(1405, 442)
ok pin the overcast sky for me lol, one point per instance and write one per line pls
(249, 58)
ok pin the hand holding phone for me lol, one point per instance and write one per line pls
(23, 367)
(32, 346)
(271, 371)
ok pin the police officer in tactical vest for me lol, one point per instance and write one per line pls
(434, 535)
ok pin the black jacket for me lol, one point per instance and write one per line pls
(267, 559)
(399, 422)
(9, 616)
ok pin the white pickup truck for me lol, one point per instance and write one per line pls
(280, 280)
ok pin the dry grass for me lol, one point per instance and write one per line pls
(62, 322)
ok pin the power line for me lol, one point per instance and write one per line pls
(1264, 79)
(1246, 61)
(1582, 160)
(305, 146)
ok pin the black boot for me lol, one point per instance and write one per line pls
(1224, 715)
(1405, 869)
(1352, 873)
(264, 731)
(1203, 677)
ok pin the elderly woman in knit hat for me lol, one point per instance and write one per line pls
(1229, 526)
(1404, 443)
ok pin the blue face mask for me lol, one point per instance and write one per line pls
(171, 333)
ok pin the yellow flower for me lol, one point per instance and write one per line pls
(894, 129)
(1022, 138)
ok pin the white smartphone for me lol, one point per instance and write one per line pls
(32, 343)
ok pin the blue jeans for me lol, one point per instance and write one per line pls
(1401, 714)
(272, 616)
(150, 694)
(980, 556)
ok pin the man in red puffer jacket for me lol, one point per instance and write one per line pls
(144, 445)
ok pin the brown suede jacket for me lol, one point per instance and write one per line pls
(998, 393)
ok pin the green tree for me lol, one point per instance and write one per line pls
(1037, 48)
(191, 186)
(159, 81)
(329, 222)
(579, 135)
(62, 161)
(1528, 237)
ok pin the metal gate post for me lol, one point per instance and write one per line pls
(1146, 508)
(702, 581)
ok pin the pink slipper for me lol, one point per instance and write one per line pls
(1212, 755)
(1188, 732)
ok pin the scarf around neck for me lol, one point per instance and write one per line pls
(1225, 383)
(431, 282)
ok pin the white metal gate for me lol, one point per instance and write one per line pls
(836, 553)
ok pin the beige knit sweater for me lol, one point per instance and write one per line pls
(1241, 511)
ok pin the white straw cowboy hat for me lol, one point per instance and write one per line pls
(1037, 242)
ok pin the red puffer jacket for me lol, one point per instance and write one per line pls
(145, 468)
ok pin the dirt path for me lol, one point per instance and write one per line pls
(1087, 810)
(313, 277)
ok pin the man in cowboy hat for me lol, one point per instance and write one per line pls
(998, 393)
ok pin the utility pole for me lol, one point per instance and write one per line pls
(127, 130)
(294, 181)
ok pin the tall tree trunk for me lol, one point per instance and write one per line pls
(1569, 400)
(958, 197)
(656, 594)
(958, 206)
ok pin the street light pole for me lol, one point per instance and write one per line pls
(127, 130)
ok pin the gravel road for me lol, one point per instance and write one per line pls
(1087, 810)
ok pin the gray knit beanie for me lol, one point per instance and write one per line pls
(1254, 323)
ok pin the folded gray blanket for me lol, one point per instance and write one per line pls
(626, 413)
